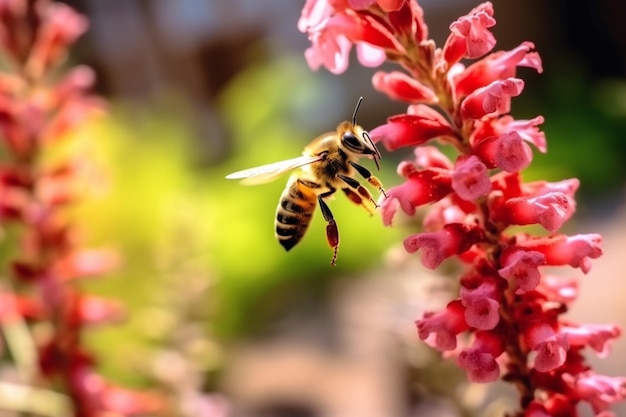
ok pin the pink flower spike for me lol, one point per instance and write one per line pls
(551, 347)
(521, 267)
(399, 86)
(469, 37)
(494, 98)
(481, 306)
(410, 130)
(453, 239)
(567, 250)
(599, 390)
(444, 325)
(470, 179)
(431, 157)
(479, 360)
(596, 336)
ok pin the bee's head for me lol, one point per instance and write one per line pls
(357, 140)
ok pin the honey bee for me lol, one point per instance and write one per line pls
(327, 164)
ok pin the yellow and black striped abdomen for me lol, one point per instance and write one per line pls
(293, 214)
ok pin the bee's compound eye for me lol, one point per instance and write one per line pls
(351, 140)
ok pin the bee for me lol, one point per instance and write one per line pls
(327, 164)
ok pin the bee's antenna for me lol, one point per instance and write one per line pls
(378, 156)
(356, 109)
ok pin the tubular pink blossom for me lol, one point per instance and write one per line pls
(399, 86)
(526, 129)
(549, 210)
(521, 267)
(454, 239)
(470, 179)
(599, 390)
(421, 188)
(596, 336)
(567, 250)
(493, 99)
(410, 130)
(481, 306)
(507, 151)
(479, 360)
(444, 325)
(512, 153)
(497, 66)
(469, 37)
(551, 347)
(328, 50)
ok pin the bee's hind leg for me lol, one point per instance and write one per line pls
(332, 232)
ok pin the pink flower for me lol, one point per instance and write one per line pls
(470, 179)
(332, 31)
(454, 239)
(497, 66)
(521, 267)
(481, 305)
(444, 325)
(596, 336)
(421, 187)
(411, 129)
(565, 250)
(479, 360)
(399, 86)
(551, 347)
(601, 391)
(493, 99)
(469, 37)
(549, 210)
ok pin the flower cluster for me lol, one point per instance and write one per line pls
(508, 319)
(40, 106)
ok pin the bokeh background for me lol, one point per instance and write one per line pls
(220, 318)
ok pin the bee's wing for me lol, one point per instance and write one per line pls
(267, 173)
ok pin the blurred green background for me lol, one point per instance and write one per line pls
(205, 88)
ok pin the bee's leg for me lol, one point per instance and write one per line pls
(332, 232)
(362, 191)
(365, 173)
(357, 199)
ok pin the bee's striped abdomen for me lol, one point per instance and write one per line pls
(293, 214)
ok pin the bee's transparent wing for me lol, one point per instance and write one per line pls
(267, 173)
